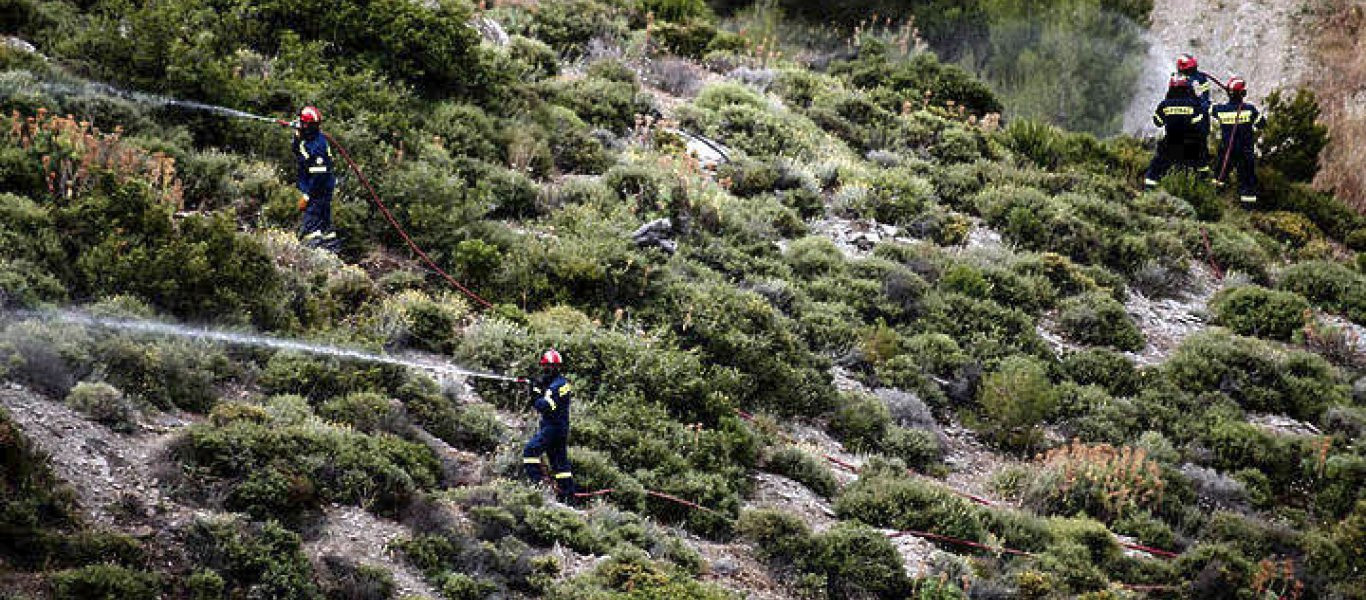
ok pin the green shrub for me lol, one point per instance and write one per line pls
(608, 104)
(800, 466)
(780, 537)
(1330, 285)
(1015, 399)
(1106, 368)
(1259, 312)
(1256, 376)
(205, 585)
(367, 412)
(861, 422)
(1292, 229)
(897, 502)
(1196, 190)
(1099, 319)
(105, 582)
(104, 403)
(857, 561)
(684, 39)
(556, 525)
(920, 449)
(1293, 137)
(1214, 571)
(243, 558)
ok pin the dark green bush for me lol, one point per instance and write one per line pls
(368, 412)
(781, 537)
(250, 559)
(108, 582)
(1330, 285)
(861, 422)
(800, 466)
(857, 561)
(1255, 376)
(1259, 312)
(1099, 319)
(1293, 137)
(1106, 368)
(1196, 190)
(1015, 399)
(897, 502)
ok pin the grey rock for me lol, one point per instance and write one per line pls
(656, 234)
(725, 567)
(1359, 391)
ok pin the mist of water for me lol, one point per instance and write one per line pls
(157, 328)
(91, 88)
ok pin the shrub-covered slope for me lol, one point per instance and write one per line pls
(881, 260)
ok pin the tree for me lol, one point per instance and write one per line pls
(1293, 137)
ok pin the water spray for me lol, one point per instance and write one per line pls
(157, 328)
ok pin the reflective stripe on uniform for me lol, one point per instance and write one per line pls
(1149, 182)
(303, 149)
(529, 460)
(1179, 110)
(564, 475)
(313, 234)
(317, 169)
(1157, 120)
(1230, 118)
(1248, 199)
(1198, 118)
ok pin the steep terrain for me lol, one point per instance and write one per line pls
(834, 330)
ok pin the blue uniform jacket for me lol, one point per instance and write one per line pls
(315, 163)
(552, 401)
(1181, 117)
(1243, 116)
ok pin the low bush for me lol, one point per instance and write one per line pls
(249, 559)
(803, 467)
(1106, 368)
(1102, 481)
(1256, 376)
(104, 403)
(861, 422)
(105, 581)
(894, 501)
(1014, 401)
(367, 412)
(1100, 320)
(1259, 312)
(1330, 285)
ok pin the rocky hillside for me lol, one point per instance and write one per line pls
(837, 328)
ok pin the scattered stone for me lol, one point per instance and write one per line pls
(656, 234)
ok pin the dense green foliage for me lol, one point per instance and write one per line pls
(523, 169)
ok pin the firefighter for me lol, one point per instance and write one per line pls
(1202, 84)
(316, 181)
(552, 397)
(1239, 123)
(1183, 146)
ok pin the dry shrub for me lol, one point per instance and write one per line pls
(1100, 480)
(1341, 42)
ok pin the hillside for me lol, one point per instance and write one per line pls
(840, 319)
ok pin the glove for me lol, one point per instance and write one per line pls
(303, 202)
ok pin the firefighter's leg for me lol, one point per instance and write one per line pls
(1247, 177)
(1157, 169)
(312, 225)
(329, 240)
(531, 456)
(560, 469)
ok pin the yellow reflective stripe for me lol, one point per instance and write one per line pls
(526, 460)
(317, 169)
(1198, 118)
(1179, 110)
(303, 149)
(564, 475)
(564, 389)
(550, 402)
(1230, 118)
(313, 234)
(1157, 120)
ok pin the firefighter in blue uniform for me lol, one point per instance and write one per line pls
(316, 181)
(1184, 145)
(1201, 84)
(552, 399)
(1238, 123)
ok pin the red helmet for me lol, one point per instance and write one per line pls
(1185, 62)
(310, 116)
(551, 358)
(1178, 81)
(1237, 84)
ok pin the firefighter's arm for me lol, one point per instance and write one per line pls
(1157, 118)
